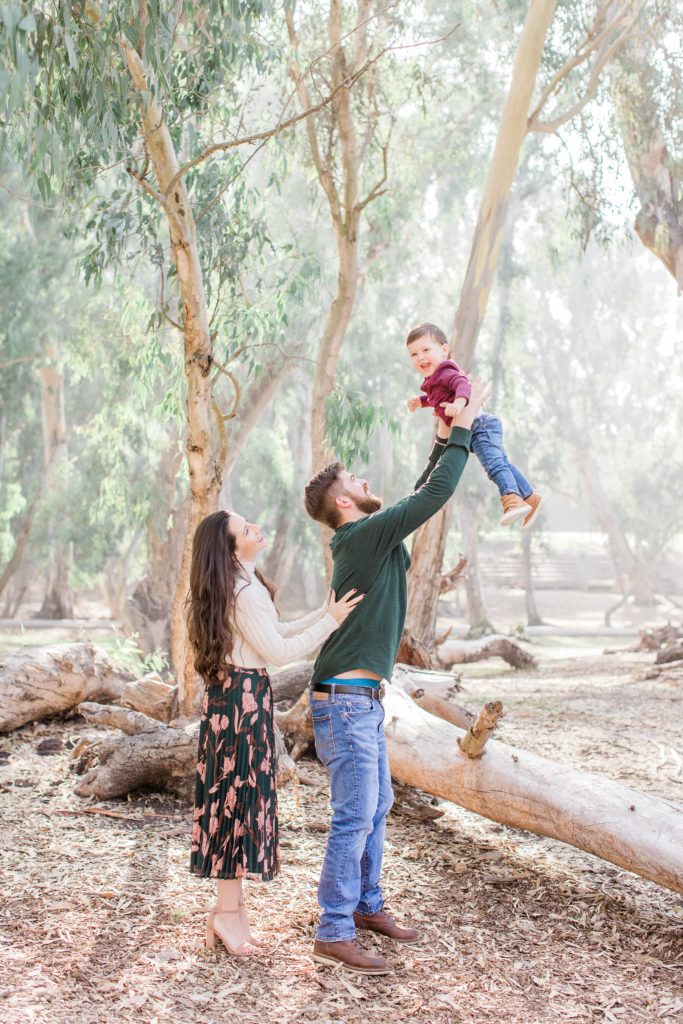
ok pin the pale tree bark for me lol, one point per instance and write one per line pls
(533, 617)
(338, 154)
(148, 609)
(430, 540)
(612, 28)
(204, 470)
(515, 787)
(426, 560)
(471, 511)
(656, 171)
(488, 234)
(58, 600)
(39, 681)
(254, 403)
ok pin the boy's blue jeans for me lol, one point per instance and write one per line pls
(487, 445)
(349, 740)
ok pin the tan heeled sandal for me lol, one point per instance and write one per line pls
(213, 938)
(261, 943)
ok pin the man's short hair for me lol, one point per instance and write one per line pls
(424, 330)
(320, 494)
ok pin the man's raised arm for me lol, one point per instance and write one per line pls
(436, 485)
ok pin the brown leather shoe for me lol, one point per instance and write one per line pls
(381, 923)
(514, 508)
(535, 501)
(351, 954)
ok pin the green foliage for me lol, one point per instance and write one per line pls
(350, 420)
(126, 652)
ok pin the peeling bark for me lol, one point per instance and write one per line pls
(39, 681)
(204, 471)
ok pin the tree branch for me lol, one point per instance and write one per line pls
(595, 41)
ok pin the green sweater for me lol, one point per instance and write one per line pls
(370, 555)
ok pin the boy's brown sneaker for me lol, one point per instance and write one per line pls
(535, 500)
(514, 508)
(349, 954)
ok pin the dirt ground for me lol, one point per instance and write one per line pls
(102, 921)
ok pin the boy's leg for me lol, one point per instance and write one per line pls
(523, 485)
(487, 445)
(346, 741)
(371, 899)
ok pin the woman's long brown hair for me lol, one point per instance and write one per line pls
(214, 574)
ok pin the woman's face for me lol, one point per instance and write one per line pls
(248, 538)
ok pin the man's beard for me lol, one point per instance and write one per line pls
(368, 504)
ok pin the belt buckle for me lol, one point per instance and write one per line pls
(381, 690)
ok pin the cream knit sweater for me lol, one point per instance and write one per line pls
(261, 639)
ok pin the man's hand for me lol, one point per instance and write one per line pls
(480, 393)
(453, 408)
(413, 404)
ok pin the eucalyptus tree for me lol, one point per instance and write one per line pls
(575, 59)
(138, 107)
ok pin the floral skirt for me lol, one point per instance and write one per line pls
(234, 827)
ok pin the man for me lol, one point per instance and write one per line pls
(368, 555)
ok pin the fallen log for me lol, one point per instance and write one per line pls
(652, 639)
(39, 681)
(669, 654)
(434, 692)
(149, 753)
(152, 696)
(461, 652)
(290, 683)
(641, 833)
(296, 725)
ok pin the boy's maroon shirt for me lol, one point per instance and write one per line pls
(447, 383)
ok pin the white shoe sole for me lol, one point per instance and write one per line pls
(514, 514)
(532, 520)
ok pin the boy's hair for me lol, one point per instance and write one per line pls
(320, 494)
(423, 330)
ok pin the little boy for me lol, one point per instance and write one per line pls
(447, 390)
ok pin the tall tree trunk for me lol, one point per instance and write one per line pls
(347, 55)
(481, 269)
(532, 615)
(632, 573)
(204, 471)
(426, 560)
(488, 234)
(285, 547)
(58, 601)
(477, 616)
(656, 172)
(253, 405)
(150, 605)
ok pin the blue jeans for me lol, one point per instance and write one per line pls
(349, 740)
(487, 445)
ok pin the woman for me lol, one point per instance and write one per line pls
(235, 632)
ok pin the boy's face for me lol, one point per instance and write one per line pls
(426, 354)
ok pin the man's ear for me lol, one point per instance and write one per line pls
(343, 501)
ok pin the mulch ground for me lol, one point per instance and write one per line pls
(102, 921)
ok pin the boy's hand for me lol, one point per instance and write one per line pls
(413, 404)
(480, 393)
(453, 408)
